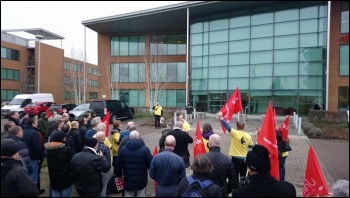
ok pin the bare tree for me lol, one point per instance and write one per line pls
(113, 79)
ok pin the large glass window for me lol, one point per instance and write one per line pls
(344, 23)
(168, 72)
(128, 46)
(172, 44)
(8, 94)
(9, 74)
(127, 72)
(344, 60)
(171, 98)
(343, 100)
(10, 53)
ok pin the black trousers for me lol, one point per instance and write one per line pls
(240, 167)
(157, 121)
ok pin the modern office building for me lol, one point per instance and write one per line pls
(291, 52)
(23, 59)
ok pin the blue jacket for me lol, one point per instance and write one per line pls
(167, 168)
(133, 161)
(31, 138)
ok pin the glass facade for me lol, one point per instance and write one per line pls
(133, 98)
(168, 72)
(344, 24)
(127, 45)
(344, 60)
(278, 55)
(171, 44)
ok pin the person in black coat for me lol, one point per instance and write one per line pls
(182, 141)
(201, 168)
(223, 167)
(15, 179)
(76, 136)
(261, 183)
(86, 167)
(14, 117)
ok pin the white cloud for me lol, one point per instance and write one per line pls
(64, 19)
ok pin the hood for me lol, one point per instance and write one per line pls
(207, 135)
(134, 144)
(77, 113)
(53, 148)
(42, 115)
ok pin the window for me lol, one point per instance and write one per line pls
(8, 94)
(127, 72)
(93, 83)
(171, 98)
(9, 74)
(128, 45)
(344, 60)
(93, 95)
(168, 72)
(344, 23)
(66, 65)
(172, 44)
(10, 54)
(93, 71)
(343, 100)
(66, 80)
(134, 98)
(67, 95)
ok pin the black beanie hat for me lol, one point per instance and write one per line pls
(90, 142)
(258, 159)
(8, 147)
(57, 136)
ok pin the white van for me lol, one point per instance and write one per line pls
(21, 100)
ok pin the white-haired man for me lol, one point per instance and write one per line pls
(101, 136)
(91, 132)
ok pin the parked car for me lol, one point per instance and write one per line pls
(37, 108)
(59, 107)
(80, 110)
(4, 103)
(118, 109)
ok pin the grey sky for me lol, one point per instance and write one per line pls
(64, 19)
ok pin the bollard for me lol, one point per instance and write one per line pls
(175, 118)
(194, 114)
(238, 114)
(296, 121)
(294, 116)
(186, 116)
(299, 127)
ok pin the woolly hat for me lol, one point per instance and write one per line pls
(258, 159)
(90, 142)
(57, 136)
(8, 147)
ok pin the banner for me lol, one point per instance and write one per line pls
(232, 106)
(106, 121)
(198, 146)
(284, 129)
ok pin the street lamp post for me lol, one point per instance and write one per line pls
(39, 37)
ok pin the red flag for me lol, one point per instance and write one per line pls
(155, 152)
(106, 121)
(267, 138)
(48, 113)
(232, 106)
(284, 129)
(314, 183)
(198, 146)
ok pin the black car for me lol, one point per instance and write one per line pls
(59, 107)
(118, 109)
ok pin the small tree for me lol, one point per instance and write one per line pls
(113, 79)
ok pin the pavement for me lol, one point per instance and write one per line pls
(333, 156)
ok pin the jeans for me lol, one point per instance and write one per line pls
(240, 167)
(105, 177)
(139, 193)
(67, 192)
(283, 169)
(35, 171)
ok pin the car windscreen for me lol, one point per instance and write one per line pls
(55, 107)
(16, 102)
(82, 107)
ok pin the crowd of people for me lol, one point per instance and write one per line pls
(80, 156)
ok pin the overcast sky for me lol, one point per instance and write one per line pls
(64, 19)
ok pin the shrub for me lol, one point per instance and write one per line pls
(307, 127)
(327, 116)
(315, 131)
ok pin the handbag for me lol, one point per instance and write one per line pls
(115, 184)
(287, 147)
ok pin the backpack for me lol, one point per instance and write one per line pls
(196, 188)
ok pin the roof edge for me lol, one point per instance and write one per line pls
(147, 12)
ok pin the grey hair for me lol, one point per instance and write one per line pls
(340, 188)
(134, 135)
(74, 123)
(57, 117)
(100, 135)
(214, 140)
(95, 121)
(179, 124)
(101, 127)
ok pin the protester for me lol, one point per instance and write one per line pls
(100, 136)
(58, 162)
(182, 141)
(15, 179)
(240, 142)
(317, 106)
(133, 161)
(69, 140)
(169, 163)
(91, 132)
(206, 133)
(22, 121)
(185, 126)
(201, 168)
(7, 126)
(340, 189)
(169, 126)
(115, 132)
(158, 112)
(75, 134)
(43, 125)
(189, 111)
(14, 117)
(282, 154)
(261, 183)
(223, 173)
(87, 167)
